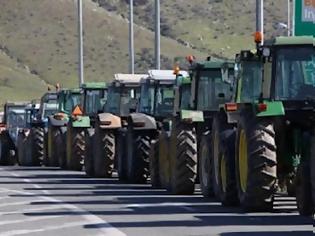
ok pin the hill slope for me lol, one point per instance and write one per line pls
(38, 38)
(42, 34)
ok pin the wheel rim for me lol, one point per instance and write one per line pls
(205, 165)
(243, 161)
(223, 173)
(215, 156)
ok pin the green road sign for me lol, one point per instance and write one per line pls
(304, 17)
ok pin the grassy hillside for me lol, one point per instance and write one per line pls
(218, 27)
(38, 38)
(42, 35)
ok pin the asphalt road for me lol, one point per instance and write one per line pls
(48, 201)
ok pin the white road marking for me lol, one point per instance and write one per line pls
(105, 227)
(43, 229)
(173, 204)
(38, 218)
(31, 210)
(14, 203)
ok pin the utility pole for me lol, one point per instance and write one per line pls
(131, 40)
(289, 18)
(157, 35)
(260, 18)
(80, 54)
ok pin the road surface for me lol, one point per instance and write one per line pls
(48, 201)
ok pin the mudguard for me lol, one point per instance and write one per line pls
(142, 121)
(58, 122)
(194, 116)
(108, 121)
(80, 122)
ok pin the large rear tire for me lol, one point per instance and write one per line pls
(164, 159)
(53, 158)
(105, 153)
(183, 160)
(303, 189)
(61, 150)
(122, 155)
(88, 155)
(37, 137)
(7, 152)
(205, 165)
(138, 158)
(24, 155)
(219, 125)
(154, 164)
(256, 163)
(75, 156)
(227, 183)
(312, 170)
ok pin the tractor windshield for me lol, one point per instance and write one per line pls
(211, 90)
(164, 101)
(94, 100)
(295, 73)
(157, 100)
(120, 99)
(147, 98)
(185, 94)
(72, 100)
(50, 108)
(16, 117)
(250, 81)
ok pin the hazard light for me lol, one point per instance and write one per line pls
(231, 106)
(262, 107)
(258, 37)
(77, 111)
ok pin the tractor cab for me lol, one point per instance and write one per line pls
(157, 93)
(123, 94)
(212, 83)
(94, 98)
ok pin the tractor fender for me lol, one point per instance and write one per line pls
(80, 122)
(140, 121)
(57, 122)
(108, 121)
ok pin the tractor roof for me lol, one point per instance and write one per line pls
(74, 90)
(296, 40)
(17, 104)
(129, 78)
(165, 75)
(212, 64)
(94, 85)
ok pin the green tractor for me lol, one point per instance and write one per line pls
(14, 120)
(80, 122)
(56, 137)
(273, 112)
(107, 140)
(212, 83)
(156, 103)
(81, 126)
(174, 161)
